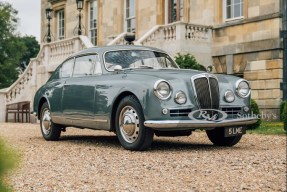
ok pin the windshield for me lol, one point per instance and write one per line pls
(138, 59)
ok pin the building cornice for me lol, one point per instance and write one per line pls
(55, 1)
(248, 20)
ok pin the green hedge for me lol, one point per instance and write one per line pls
(282, 105)
(188, 61)
(255, 111)
(284, 115)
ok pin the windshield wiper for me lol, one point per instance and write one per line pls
(143, 67)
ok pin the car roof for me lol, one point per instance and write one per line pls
(101, 50)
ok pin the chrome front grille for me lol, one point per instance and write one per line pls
(232, 110)
(206, 91)
(179, 112)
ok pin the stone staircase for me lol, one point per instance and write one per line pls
(39, 69)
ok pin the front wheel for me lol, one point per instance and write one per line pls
(130, 129)
(50, 130)
(216, 136)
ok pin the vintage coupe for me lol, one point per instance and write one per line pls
(138, 91)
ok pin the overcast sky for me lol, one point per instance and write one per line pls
(29, 13)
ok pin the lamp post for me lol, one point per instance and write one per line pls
(80, 5)
(49, 17)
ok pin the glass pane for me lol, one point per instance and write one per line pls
(138, 59)
(67, 67)
(129, 25)
(93, 21)
(228, 12)
(133, 25)
(132, 8)
(237, 10)
(130, 15)
(84, 66)
(228, 2)
(237, 1)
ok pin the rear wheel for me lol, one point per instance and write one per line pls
(50, 130)
(216, 136)
(130, 129)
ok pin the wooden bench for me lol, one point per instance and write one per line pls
(21, 109)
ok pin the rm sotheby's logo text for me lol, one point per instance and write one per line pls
(207, 115)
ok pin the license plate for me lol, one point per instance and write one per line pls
(234, 131)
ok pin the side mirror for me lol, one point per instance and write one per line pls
(118, 68)
(209, 68)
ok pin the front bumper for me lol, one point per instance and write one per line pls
(193, 124)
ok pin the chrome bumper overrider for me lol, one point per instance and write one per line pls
(170, 124)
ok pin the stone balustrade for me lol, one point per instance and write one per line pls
(39, 70)
(174, 32)
(119, 40)
(180, 37)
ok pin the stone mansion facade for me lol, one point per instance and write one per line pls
(239, 37)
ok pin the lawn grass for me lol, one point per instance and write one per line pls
(269, 128)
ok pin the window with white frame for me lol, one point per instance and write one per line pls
(61, 24)
(93, 21)
(130, 15)
(233, 9)
(175, 10)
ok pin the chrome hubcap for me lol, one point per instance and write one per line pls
(46, 122)
(129, 124)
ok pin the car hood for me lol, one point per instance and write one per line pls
(166, 74)
(174, 75)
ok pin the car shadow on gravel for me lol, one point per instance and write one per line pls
(104, 140)
(157, 145)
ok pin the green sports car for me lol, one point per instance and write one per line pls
(138, 92)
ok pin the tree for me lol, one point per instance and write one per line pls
(188, 61)
(14, 50)
(32, 49)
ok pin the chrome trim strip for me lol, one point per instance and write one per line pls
(171, 124)
(95, 120)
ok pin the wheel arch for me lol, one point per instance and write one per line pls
(41, 102)
(116, 104)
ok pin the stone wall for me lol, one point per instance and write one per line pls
(265, 77)
(257, 8)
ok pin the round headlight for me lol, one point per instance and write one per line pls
(180, 97)
(162, 89)
(229, 96)
(242, 88)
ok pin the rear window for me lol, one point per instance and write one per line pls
(67, 68)
(84, 66)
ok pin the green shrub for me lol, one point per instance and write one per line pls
(282, 105)
(188, 61)
(284, 115)
(7, 162)
(254, 111)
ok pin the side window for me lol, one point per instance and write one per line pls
(87, 65)
(67, 68)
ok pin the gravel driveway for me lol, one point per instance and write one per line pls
(86, 160)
